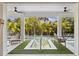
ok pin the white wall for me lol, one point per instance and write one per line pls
(3, 43)
(40, 9)
(76, 31)
(31, 7)
(1, 10)
(4, 30)
(1, 29)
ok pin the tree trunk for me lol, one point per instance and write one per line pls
(34, 33)
(49, 33)
(28, 33)
(41, 40)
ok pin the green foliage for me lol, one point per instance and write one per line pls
(68, 25)
(14, 26)
(32, 24)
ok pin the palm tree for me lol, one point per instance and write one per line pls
(11, 27)
(49, 28)
(31, 24)
(67, 25)
(18, 26)
(42, 26)
(34, 24)
(28, 26)
(14, 26)
(54, 25)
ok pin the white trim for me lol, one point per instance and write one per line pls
(76, 29)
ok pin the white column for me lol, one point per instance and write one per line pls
(1, 37)
(5, 30)
(22, 28)
(76, 28)
(59, 28)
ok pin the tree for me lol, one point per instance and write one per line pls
(14, 26)
(54, 25)
(49, 27)
(28, 25)
(42, 26)
(11, 27)
(67, 25)
(32, 24)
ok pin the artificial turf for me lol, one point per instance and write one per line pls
(60, 49)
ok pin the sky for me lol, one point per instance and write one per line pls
(52, 19)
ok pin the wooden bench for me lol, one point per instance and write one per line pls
(14, 41)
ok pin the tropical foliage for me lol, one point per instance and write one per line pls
(67, 25)
(35, 26)
(14, 26)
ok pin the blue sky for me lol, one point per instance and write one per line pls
(52, 19)
(13, 17)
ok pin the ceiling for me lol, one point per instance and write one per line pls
(40, 7)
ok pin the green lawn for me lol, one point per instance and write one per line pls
(60, 50)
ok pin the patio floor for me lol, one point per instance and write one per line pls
(45, 44)
(60, 49)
